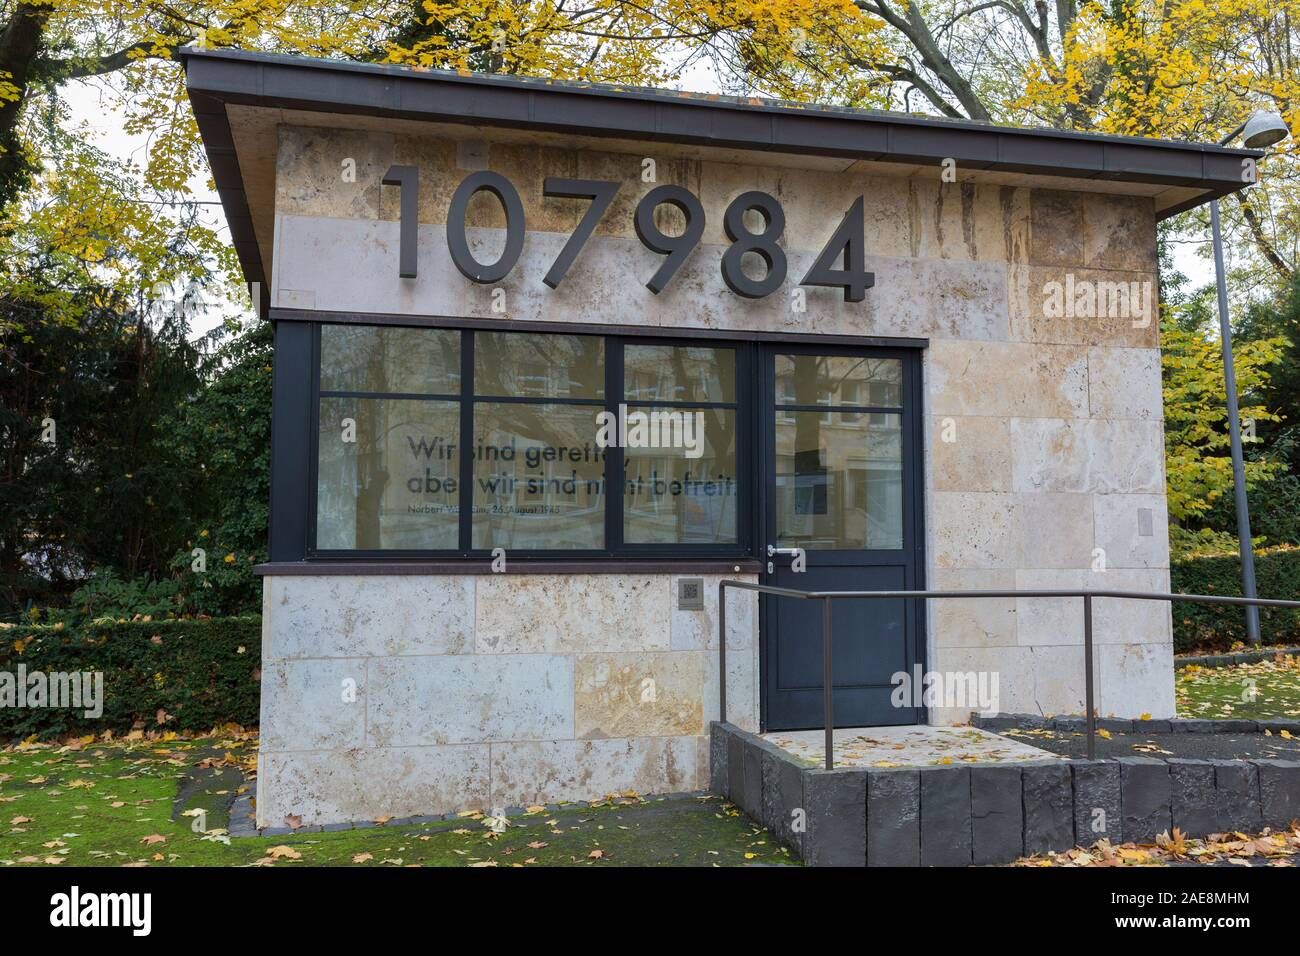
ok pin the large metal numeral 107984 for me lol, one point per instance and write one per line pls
(841, 264)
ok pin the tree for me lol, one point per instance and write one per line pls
(85, 481)
(1198, 468)
(222, 436)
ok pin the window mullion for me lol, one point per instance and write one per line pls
(614, 453)
(466, 528)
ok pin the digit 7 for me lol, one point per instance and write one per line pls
(677, 248)
(601, 194)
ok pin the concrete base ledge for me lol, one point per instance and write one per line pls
(982, 814)
(1174, 725)
(1230, 660)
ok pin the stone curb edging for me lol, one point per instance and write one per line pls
(1174, 725)
(982, 814)
(243, 809)
(1228, 660)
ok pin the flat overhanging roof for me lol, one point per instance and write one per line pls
(1178, 175)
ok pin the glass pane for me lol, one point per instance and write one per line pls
(388, 480)
(368, 358)
(524, 365)
(668, 373)
(538, 477)
(839, 481)
(838, 380)
(680, 477)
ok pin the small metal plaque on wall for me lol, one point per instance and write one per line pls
(690, 594)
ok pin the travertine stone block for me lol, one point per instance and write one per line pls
(639, 695)
(336, 786)
(367, 615)
(484, 697)
(534, 613)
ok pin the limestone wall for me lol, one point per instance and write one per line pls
(410, 695)
(1043, 458)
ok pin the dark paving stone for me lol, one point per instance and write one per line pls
(783, 811)
(1291, 726)
(894, 818)
(718, 759)
(1194, 805)
(735, 768)
(1279, 792)
(836, 805)
(1236, 786)
(997, 820)
(1114, 726)
(1198, 746)
(1097, 806)
(1145, 799)
(1049, 807)
(945, 816)
(751, 798)
(1152, 727)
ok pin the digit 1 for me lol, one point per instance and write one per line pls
(408, 179)
(677, 248)
(848, 242)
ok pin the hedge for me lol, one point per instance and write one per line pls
(195, 674)
(1218, 626)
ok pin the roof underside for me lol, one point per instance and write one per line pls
(239, 98)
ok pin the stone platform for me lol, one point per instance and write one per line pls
(907, 746)
(956, 811)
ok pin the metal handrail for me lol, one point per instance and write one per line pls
(828, 697)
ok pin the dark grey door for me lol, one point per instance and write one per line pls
(843, 478)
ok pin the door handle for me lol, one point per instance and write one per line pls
(772, 551)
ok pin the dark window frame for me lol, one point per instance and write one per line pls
(745, 405)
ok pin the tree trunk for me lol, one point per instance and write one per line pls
(20, 42)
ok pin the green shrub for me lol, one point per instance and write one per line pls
(1219, 626)
(194, 674)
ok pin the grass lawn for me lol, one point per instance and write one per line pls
(1267, 689)
(114, 804)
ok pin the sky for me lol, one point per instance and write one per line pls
(90, 108)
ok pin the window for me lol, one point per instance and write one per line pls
(439, 440)
(680, 481)
(839, 485)
(539, 476)
(388, 439)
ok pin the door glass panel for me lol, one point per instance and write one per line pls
(838, 380)
(839, 480)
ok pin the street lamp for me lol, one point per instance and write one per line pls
(1261, 130)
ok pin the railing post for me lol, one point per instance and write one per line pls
(722, 652)
(828, 686)
(1087, 677)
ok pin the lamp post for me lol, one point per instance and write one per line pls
(1261, 130)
